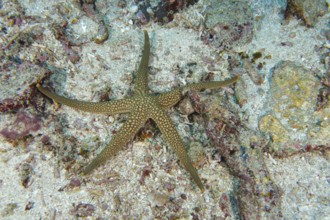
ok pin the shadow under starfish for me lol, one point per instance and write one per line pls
(142, 106)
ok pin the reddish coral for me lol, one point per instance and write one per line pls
(22, 101)
(22, 127)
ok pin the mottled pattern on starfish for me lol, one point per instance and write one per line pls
(142, 106)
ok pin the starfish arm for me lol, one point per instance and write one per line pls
(172, 137)
(169, 99)
(124, 135)
(210, 85)
(111, 107)
(141, 82)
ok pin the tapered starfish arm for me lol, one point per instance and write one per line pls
(168, 99)
(124, 135)
(172, 137)
(210, 85)
(111, 107)
(141, 82)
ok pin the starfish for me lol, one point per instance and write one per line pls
(142, 106)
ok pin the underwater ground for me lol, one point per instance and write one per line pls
(261, 146)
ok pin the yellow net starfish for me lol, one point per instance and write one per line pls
(141, 107)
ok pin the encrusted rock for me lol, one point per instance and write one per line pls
(293, 101)
(320, 133)
(307, 10)
(197, 154)
(228, 22)
(278, 133)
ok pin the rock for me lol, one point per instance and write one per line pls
(197, 154)
(320, 133)
(307, 10)
(279, 134)
(292, 102)
(186, 107)
(228, 22)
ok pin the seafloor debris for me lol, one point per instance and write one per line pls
(8, 209)
(82, 210)
(241, 150)
(162, 11)
(90, 8)
(25, 172)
